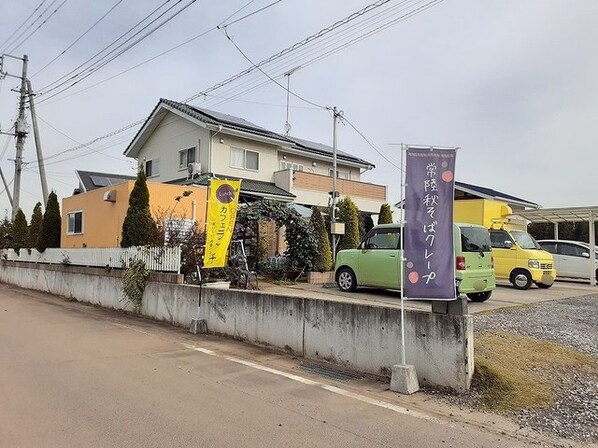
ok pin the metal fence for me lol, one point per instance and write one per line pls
(163, 259)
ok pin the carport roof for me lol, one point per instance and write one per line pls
(557, 215)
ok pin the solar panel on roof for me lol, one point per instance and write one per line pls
(100, 181)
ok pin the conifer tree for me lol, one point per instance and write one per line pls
(35, 226)
(139, 228)
(365, 225)
(20, 231)
(385, 216)
(5, 232)
(348, 213)
(323, 260)
(50, 233)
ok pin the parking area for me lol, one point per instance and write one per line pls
(503, 297)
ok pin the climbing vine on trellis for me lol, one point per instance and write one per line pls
(301, 242)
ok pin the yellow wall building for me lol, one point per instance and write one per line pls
(95, 218)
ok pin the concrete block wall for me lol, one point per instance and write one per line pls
(365, 338)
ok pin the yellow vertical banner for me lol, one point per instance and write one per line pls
(222, 214)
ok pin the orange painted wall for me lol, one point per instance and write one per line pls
(103, 220)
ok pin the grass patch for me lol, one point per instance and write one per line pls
(516, 372)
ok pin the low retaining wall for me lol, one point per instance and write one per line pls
(366, 338)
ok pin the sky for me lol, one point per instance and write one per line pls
(512, 84)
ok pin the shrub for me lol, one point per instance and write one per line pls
(139, 228)
(323, 259)
(348, 213)
(365, 225)
(385, 216)
(50, 233)
(20, 231)
(35, 226)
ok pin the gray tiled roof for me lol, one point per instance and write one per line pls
(248, 186)
(320, 148)
(240, 124)
(484, 191)
(217, 118)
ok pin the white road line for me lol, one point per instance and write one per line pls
(329, 388)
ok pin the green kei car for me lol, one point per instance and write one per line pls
(377, 261)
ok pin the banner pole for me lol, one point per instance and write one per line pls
(402, 267)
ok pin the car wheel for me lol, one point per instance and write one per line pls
(543, 285)
(521, 279)
(479, 296)
(346, 280)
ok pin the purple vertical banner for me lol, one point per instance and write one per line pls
(428, 239)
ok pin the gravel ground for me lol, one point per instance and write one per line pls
(572, 322)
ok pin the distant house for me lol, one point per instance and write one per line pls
(465, 191)
(182, 144)
(94, 215)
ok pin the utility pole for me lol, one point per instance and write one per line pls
(38, 146)
(21, 132)
(334, 228)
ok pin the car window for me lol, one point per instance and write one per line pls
(383, 239)
(475, 239)
(570, 249)
(550, 247)
(498, 238)
(524, 239)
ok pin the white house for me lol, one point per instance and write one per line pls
(179, 143)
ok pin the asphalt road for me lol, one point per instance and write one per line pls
(74, 375)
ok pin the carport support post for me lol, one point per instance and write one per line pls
(555, 226)
(592, 232)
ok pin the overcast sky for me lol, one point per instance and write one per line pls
(512, 83)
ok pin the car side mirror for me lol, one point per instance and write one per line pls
(508, 244)
(362, 245)
(585, 255)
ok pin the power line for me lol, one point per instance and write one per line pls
(307, 60)
(91, 70)
(95, 140)
(269, 77)
(289, 49)
(236, 12)
(137, 65)
(7, 40)
(279, 55)
(69, 137)
(250, 14)
(163, 52)
(79, 38)
(368, 141)
(26, 38)
(106, 47)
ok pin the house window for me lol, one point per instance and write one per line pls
(244, 159)
(284, 165)
(186, 156)
(75, 223)
(152, 167)
(340, 174)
